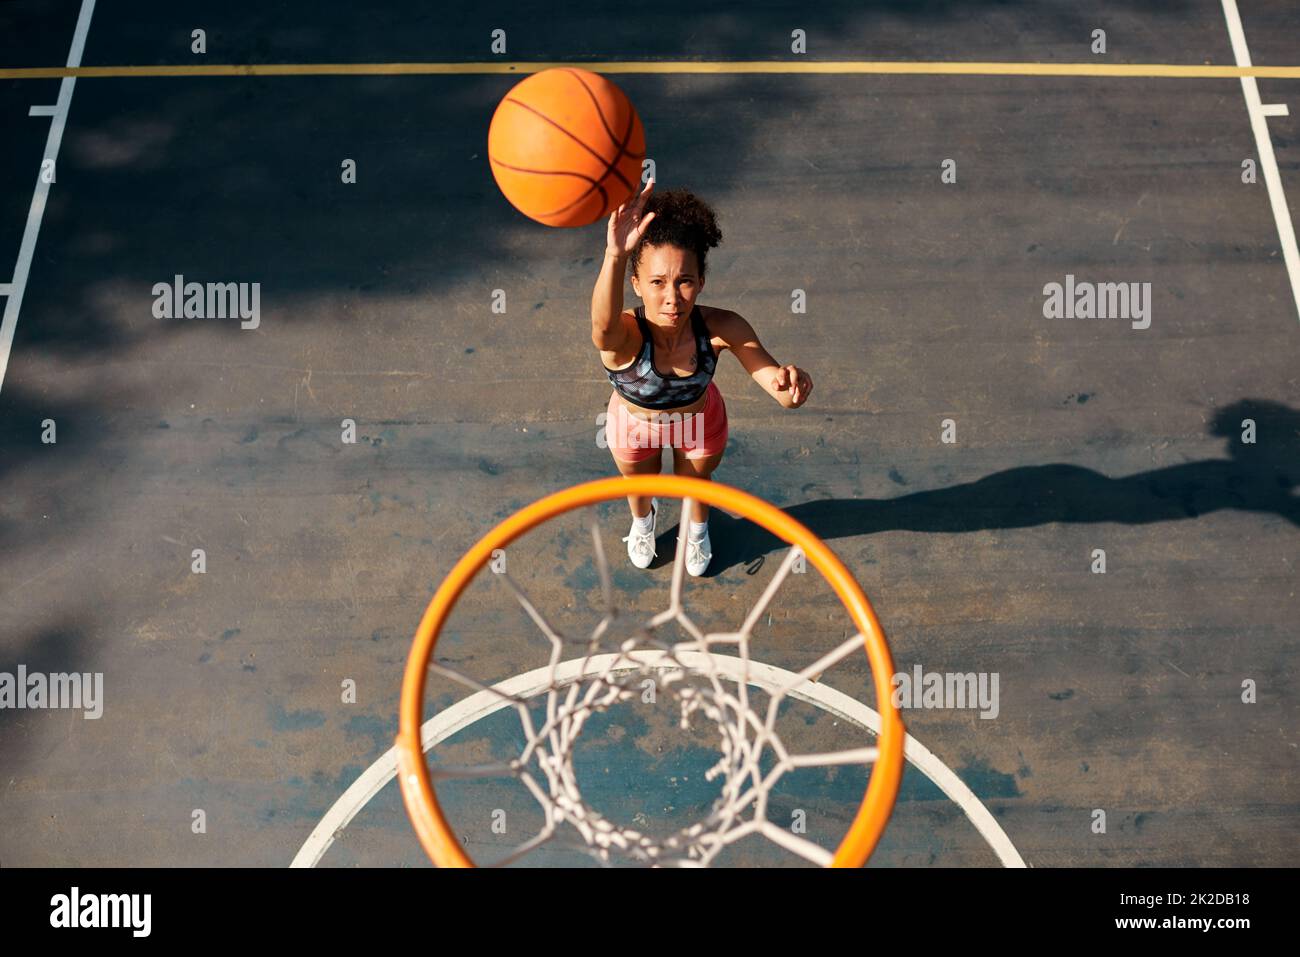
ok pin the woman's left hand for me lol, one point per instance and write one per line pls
(794, 380)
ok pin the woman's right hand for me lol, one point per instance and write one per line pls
(626, 224)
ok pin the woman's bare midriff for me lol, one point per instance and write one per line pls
(642, 412)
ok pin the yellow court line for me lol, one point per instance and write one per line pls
(914, 68)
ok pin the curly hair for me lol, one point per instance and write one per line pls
(683, 220)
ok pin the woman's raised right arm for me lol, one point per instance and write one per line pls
(607, 329)
(626, 227)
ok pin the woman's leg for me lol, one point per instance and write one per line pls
(708, 448)
(621, 428)
(699, 468)
(640, 504)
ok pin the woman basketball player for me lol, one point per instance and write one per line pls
(672, 333)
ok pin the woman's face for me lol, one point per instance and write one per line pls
(668, 282)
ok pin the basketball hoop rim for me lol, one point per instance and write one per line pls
(414, 779)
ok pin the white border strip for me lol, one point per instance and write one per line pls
(1264, 145)
(13, 291)
(483, 703)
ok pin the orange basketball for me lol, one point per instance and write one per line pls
(566, 147)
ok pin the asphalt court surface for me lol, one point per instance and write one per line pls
(1118, 691)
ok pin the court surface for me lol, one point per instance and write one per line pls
(1119, 692)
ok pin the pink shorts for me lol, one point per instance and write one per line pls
(633, 439)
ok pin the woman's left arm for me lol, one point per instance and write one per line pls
(788, 384)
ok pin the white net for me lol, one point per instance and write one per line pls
(709, 678)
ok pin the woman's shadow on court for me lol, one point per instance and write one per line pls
(1258, 477)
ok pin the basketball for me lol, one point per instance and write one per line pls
(566, 147)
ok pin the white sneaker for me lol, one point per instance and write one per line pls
(641, 545)
(698, 554)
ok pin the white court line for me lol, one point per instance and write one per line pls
(1275, 109)
(483, 703)
(14, 290)
(1285, 230)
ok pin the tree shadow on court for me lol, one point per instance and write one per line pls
(61, 646)
(239, 179)
(1259, 477)
(54, 489)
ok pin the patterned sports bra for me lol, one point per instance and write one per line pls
(641, 384)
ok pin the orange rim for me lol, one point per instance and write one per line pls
(413, 772)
